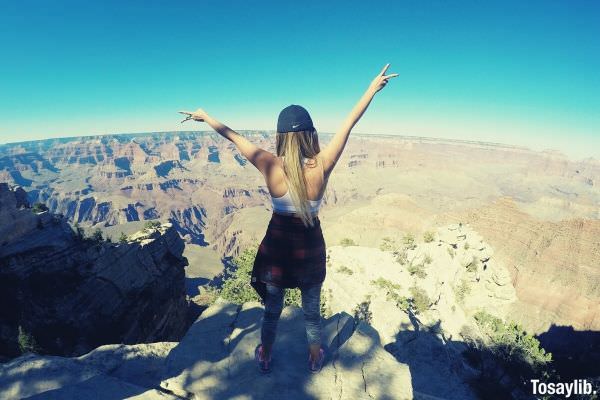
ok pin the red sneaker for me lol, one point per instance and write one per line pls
(316, 365)
(263, 364)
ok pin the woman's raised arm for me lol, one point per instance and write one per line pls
(332, 152)
(261, 159)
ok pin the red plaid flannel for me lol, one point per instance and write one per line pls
(290, 255)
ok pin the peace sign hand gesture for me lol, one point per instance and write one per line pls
(198, 115)
(381, 80)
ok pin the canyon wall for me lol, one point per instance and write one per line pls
(69, 294)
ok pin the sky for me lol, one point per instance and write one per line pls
(514, 72)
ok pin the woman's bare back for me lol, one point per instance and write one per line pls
(316, 182)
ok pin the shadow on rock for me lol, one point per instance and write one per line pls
(215, 360)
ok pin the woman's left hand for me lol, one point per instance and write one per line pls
(381, 80)
(198, 115)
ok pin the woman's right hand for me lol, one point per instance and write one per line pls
(198, 115)
(381, 80)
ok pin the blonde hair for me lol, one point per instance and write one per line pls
(293, 147)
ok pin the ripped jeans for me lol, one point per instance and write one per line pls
(311, 307)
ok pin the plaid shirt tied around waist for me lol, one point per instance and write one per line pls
(290, 255)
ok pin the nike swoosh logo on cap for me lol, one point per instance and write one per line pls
(295, 126)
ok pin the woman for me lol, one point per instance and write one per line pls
(292, 253)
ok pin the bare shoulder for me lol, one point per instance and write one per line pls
(326, 161)
(275, 178)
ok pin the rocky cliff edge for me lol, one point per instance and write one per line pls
(215, 360)
(65, 294)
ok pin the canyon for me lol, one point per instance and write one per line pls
(511, 232)
(65, 294)
(541, 210)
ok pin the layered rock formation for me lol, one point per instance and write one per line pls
(64, 294)
(200, 183)
(447, 280)
(457, 271)
(555, 266)
(99, 179)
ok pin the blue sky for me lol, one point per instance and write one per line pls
(522, 72)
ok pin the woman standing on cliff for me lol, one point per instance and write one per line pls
(292, 253)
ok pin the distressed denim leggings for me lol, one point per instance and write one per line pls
(311, 298)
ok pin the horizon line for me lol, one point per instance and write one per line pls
(413, 137)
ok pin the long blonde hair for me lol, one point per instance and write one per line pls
(293, 147)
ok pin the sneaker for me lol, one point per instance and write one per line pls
(263, 365)
(316, 365)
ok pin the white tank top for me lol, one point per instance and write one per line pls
(285, 205)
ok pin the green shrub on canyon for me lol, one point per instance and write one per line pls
(236, 286)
